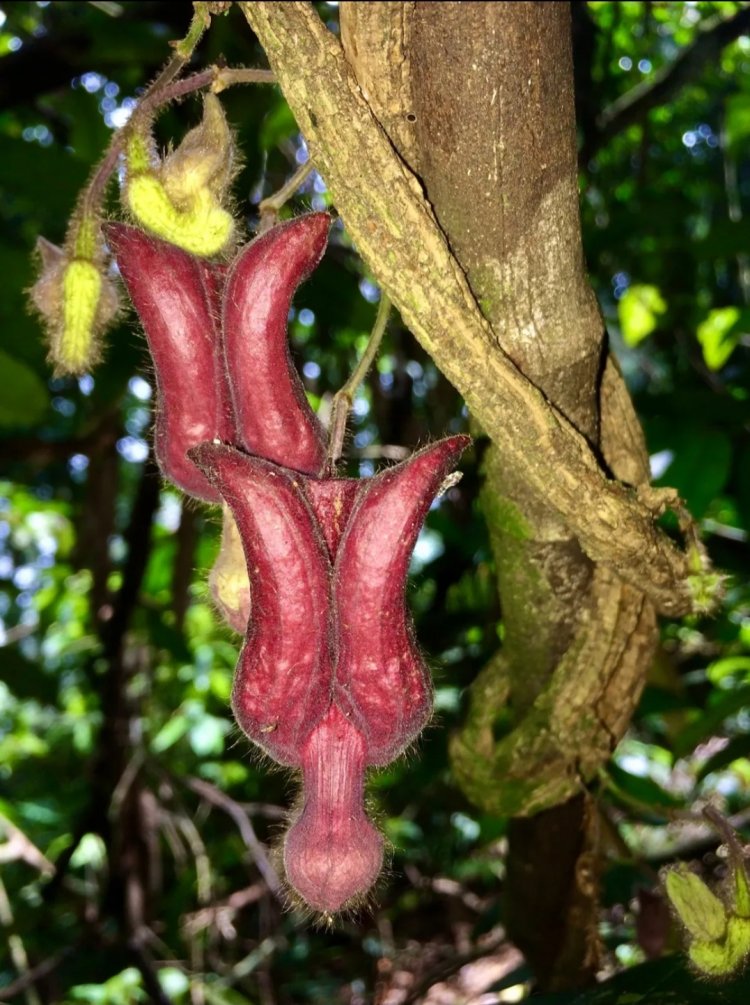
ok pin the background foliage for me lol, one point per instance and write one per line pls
(115, 672)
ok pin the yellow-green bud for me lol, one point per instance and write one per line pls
(205, 158)
(702, 913)
(204, 230)
(180, 200)
(82, 288)
(74, 297)
(721, 958)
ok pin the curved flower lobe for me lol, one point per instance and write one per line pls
(175, 296)
(381, 680)
(283, 680)
(272, 415)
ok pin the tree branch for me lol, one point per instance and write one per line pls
(393, 226)
(633, 106)
(224, 802)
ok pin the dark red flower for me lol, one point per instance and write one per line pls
(218, 340)
(330, 680)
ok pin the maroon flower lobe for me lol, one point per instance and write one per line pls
(330, 679)
(175, 296)
(273, 417)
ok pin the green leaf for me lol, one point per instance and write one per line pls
(719, 334)
(640, 308)
(170, 733)
(710, 722)
(207, 736)
(641, 789)
(24, 398)
(731, 666)
(737, 120)
(278, 125)
(26, 170)
(173, 981)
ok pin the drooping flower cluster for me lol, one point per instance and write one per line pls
(329, 679)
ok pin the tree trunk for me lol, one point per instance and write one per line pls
(468, 215)
(478, 99)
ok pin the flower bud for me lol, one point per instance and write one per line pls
(228, 580)
(723, 957)
(74, 297)
(204, 160)
(180, 200)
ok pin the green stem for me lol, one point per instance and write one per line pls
(343, 400)
(198, 25)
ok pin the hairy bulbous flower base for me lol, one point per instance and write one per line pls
(330, 680)
(332, 852)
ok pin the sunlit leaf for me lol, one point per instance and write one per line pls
(719, 334)
(640, 308)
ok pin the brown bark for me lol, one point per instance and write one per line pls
(450, 152)
(395, 230)
(478, 99)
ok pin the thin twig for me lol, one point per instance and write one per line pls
(269, 207)
(445, 969)
(148, 972)
(19, 846)
(16, 946)
(37, 973)
(221, 913)
(247, 832)
(200, 854)
(343, 400)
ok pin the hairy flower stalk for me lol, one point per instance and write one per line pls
(330, 680)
